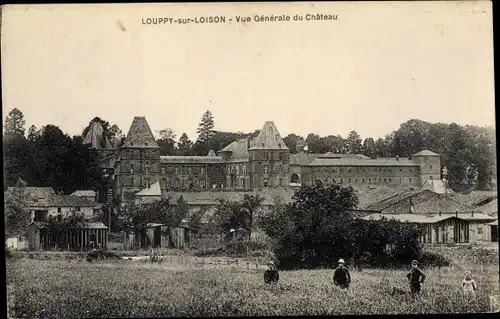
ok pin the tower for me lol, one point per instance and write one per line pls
(269, 159)
(139, 161)
(430, 165)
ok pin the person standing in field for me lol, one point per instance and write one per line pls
(341, 275)
(271, 276)
(469, 285)
(416, 278)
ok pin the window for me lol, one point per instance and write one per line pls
(341, 180)
(146, 169)
(432, 177)
(78, 209)
(147, 184)
(363, 180)
(202, 171)
(131, 168)
(266, 169)
(349, 180)
(131, 181)
(479, 230)
(349, 170)
(410, 179)
(430, 166)
(410, 170)
(163, 170)
(58, 210)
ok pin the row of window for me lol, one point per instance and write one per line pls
(363, 180)
(357, 170)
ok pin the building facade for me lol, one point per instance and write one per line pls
(250, 163)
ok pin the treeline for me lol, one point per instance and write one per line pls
(57, 160)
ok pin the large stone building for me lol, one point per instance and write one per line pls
(262, 162)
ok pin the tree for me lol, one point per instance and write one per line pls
(184, 145)
(237, 215)
(315, 228)
(195, 223)
(16, 216)
(369, 147)
(14, 124)
(110, 131)
(180, 212)
(294, 142)
(206, 128)
(353, 143)
(334, 143)
(33, 134)
(166, 141)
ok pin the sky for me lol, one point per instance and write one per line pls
(375, 67)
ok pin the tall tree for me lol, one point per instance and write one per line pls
(294, 142)
(184, 145)
(166, 141)
(369, 147)
(111, 131)
(206, 128)
(14, 124)
(353, 143)
(335, 143)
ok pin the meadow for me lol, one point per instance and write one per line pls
(62, 288)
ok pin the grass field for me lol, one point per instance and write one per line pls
(72, 289)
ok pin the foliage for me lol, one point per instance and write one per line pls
(111, 131)
(14, 124)
(294, 142)
(206, 128)
(195, 222)
(16, 216)
(385, 243)
(237, 215)
(166, 141)
(147, 290)
(184, 145)
(315, 229)
(353, 143)
(60, 225)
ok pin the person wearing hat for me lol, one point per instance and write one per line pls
(416, 278)
(341, 276)
(271, 276)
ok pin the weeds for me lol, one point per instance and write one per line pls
(56, 288)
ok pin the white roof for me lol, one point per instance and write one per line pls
(153, 190)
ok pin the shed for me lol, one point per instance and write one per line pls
(159, 235)
(92, 235)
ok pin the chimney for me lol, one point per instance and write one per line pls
(439, 212)
(472, 214)
(456, 213)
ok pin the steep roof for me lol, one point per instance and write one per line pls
(425, 153)
(153, 190)
(370, 195)
(190, 159)
(476, 198)
(96, 138)
(211, 153)
(36, 196)
(381, 161)
(86, 193)
(140, 135)
(268, 138)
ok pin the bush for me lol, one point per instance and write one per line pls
(433, 259)
(102, 254)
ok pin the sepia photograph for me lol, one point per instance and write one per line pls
(249, 159)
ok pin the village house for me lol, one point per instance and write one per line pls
(89, 195)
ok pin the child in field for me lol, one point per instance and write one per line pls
(469, 285)
(271, 276)
(341, 276)
(416, 278)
